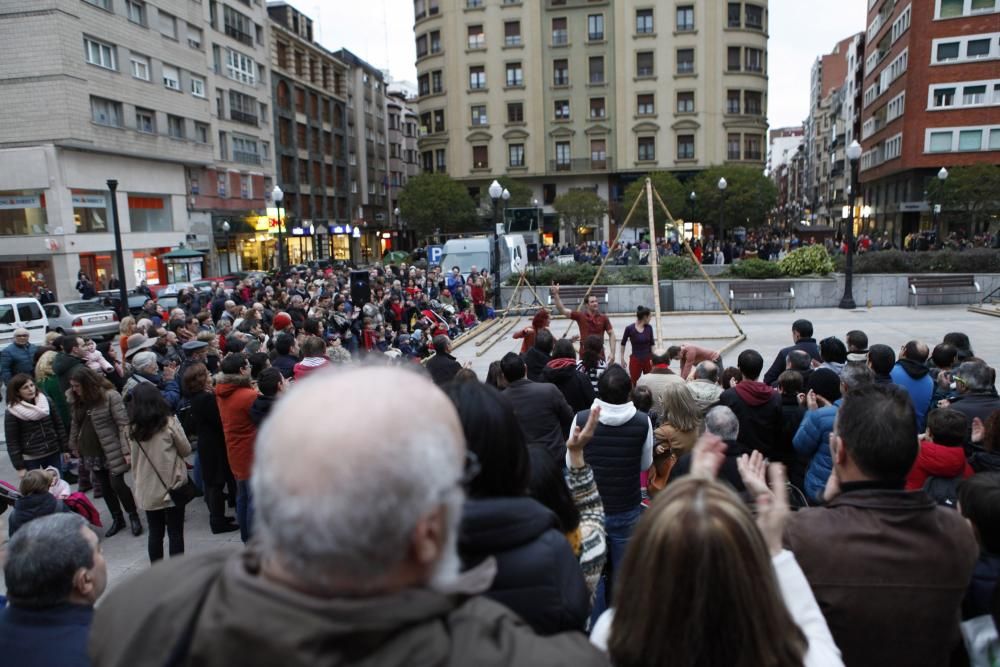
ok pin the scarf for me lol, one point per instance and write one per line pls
(561, 362)
(31, 412)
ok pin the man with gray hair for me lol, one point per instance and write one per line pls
(145, 369)
(722, 423)
(977, 395)
(355, 558)
(705, 385)
(54, 572)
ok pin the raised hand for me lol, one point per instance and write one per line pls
(772, 509)
(579, 438)
(753, 471)
(978, 430)
(707, 456)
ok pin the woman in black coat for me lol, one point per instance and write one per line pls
(561, 371)
(538, 576)
(211, 442)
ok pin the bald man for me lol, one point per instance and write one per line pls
(912, 374)
(355, 560)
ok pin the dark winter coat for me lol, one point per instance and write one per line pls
(211, 439)
(916, 380)
(728, 472)
(16, 359)
(574, 385)
(33, 439)
(980, 405)
(543, 413)
(261, 408)
(443, 367)
(535, 360)
(781, 361)
(47, 636)
(28, 508)
(758, 408)
(110, 421)
(286, 364)
(538, 576)
(62, 366)
(979, 598)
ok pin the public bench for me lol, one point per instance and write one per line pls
(761, 290)
(571, 296)
(940, 286)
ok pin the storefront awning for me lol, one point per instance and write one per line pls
(183, 253)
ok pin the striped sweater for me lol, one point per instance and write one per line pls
(589, 539)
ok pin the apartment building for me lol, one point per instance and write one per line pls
(403, 165)
(94, 90)
(309, 87)
(367, 155)
(783, 146)
(570, 94)
(931, 98)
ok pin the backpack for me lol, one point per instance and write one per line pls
(185, 415)
(944, 490)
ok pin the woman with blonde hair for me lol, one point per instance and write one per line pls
(48, 383)
(680, 425)
(125, 329)
(702, 584)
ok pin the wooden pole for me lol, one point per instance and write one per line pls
(654, 268)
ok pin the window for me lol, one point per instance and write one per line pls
(685, 146)
(515, 75)
(435, 40)
(597, 109)
(194, 36)
(479, 115)
(733, 147)
(598, 154)
(201, 133)
(515, 112)
(644, 21)
(754, 16)
(951, 8)
(732, 101)
(90, 213)
(947, 51)
(197, 86)
(243, 109)
(171, 77)
(477, 77)
(480, 157)
(238, 26)
(685, 18)
(734, 15)
(752, 147)
(595, 27)
(140, 66)
(168, 25)
(515, 155)
(559, 33)
(944, 97)
(424, 84)
(978, 48)
(103, 4)
(436, 85)
(145, 121)
(560, 72)
(596, 69)
(106, 112)
(994, 139)
(563, 155)
(151, 214)
(940, 142)
(753, 103)
(647, 149)
(175, 126)
(439, 120)
(472, 4)
(970, 140)
(685, 61)
(245, 150)
(136, 11)
(240, 67)
(562, 109)
(754, 60)
(644, 63)
(512, 33)
(645, 104)
(685, 102)
(973, 95)
(100, 53)
(477, 38)
(733, 59)
(421, 46)
(440, 164)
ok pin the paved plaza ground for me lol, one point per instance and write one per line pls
(767, 332)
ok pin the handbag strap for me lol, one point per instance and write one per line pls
(151, 465)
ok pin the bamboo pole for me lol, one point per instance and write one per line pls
(654, 268)
(504, 329)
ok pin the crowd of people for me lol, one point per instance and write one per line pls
(839, 506)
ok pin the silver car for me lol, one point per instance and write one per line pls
(89, 319)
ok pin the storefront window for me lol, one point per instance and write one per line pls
(22, 213)
(340, 247)
(149, 213)
(91, 211)
(99, 268)
(20, 278)
(147, 265)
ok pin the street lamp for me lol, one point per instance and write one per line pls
(120, 259)
(722, 202)
(496, 194)
(277, 195)
(225, 230)
(847, 301)
(942, 176)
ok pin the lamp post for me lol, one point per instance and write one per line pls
(120, 259)
(277, 195)
(225, 230)
(496, 193)
(853, 155)
(722, 202)
(942, 176)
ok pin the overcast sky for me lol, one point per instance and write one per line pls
(381, 32)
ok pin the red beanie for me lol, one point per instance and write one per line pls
(281, 321)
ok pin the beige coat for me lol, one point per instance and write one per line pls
(165, 452)
(668, 435)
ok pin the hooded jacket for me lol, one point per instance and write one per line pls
(574, 385)
(915, 378)
(535, 360)
(31, 507)
(758, 407)
(110, 421)
(235, 395)
(812, 446)
(248, 619)
(543, 413)
(728, 471)
(62, 366)
(261, 408)
(706, 394)
(538, 576)
(30, 439)
(16, 359)
(934, 460)
(170, 391)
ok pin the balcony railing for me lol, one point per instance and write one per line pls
(239, 35)
(243, 117)
(246, 158)
(580, 165)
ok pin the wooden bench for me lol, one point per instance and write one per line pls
(572, 296)
(761, 290)
(940, 285)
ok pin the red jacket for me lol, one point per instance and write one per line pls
(936, 460)
(235, 395)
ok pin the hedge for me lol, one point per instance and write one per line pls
(671, 268)
(975, 260)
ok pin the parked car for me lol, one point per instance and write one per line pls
(82, 318)
(18, 312)
(110, 299)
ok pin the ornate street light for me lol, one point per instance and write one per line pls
(277, 195)
(497, 192)
(722, 184)
(853, 155)
(225, 230)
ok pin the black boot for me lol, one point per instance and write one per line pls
(136, 524)
(117, 525)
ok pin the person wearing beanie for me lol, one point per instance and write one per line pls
(283, 323)
(942, 449)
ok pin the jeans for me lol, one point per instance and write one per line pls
(244, 508)
(116, 492)
(171, 520)
(619, 529)
(54, 460)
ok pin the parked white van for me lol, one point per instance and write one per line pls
(477, 251)
(18, 312)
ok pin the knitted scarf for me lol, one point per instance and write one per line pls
(31, 412)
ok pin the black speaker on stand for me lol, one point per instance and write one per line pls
(361, 291)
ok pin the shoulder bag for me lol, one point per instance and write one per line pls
(181, 495)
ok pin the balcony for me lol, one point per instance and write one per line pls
(246, 158)
(243, 117)
(580, 165)
(239, 35)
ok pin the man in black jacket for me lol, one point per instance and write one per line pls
(442, 366)
(757, 406)
(539, 356)
(288, 355)
(540, 407)
(802, 337)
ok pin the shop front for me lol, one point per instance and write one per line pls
(19, 278)
(342, 240)
(148, 265)
(22, 213)
(184, 265)
(99, 267)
